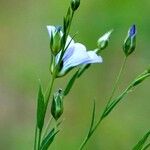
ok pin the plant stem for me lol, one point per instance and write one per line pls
(47, 126)
(35, 138)
(89, 135)
(47, 97)
(117, 80)
(39, 139)
(101, 117)
(49, 89)
(48, 92)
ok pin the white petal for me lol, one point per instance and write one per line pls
(105, 37)
(74, 56)
(94, 58)
(51, 29)
(68, 52)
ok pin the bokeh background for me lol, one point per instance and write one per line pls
(24, 58)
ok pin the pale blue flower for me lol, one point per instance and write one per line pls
(76, 54)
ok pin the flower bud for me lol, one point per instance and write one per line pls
(141, 79)
(130, 41)
(56, 41)
(57, 105)
(103, 41)
(75, 4)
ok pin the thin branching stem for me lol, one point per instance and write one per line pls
(109, 100)
(117, 81)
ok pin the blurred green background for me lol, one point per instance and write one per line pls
(24, 58)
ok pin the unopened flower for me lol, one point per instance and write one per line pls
(75, 4)
(57, 105)
(55, 40)
(103, 41)
(130, 41)
(76, 54)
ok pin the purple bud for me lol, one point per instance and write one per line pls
(130, 41)
(132, 31)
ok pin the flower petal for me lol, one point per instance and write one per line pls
(74, 56)
(105, 37)
(94, 58)
(68, 51)
(51, 29)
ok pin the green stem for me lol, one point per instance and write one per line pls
(47, 97)
(35, 138)
(66, 35)
(47, 126)
(39, 139)
(48, 92)
(101, 118)
(89, 135)
(117, 81)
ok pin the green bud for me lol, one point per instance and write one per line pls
(56, 41)
(141, 77)
(148, 70)
(66, 23)
(130, 41)
(75, 4)
(57, 105)
(102, 42)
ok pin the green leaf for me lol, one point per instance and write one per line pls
(93, 118)
(115, 102)
(146, 147)
(40, 109)
(70, 84)
(47, 141)
(141, 79)
(133, 84)
(82, 69)
(141, 143)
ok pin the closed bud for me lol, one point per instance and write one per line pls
(130, 41)
(56, 41)
(67, 21)
(148, 70)
(57, 105)
(103, 41)
(141, 77)
(75, 4)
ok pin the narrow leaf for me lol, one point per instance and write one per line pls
(93, 118)
(70, 84)
(133, 84)
(146, 147)
(141, 143)
(115, 102)
(82, 69)
(47, 141)
(40, 109)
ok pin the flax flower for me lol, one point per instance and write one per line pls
(76, 54)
